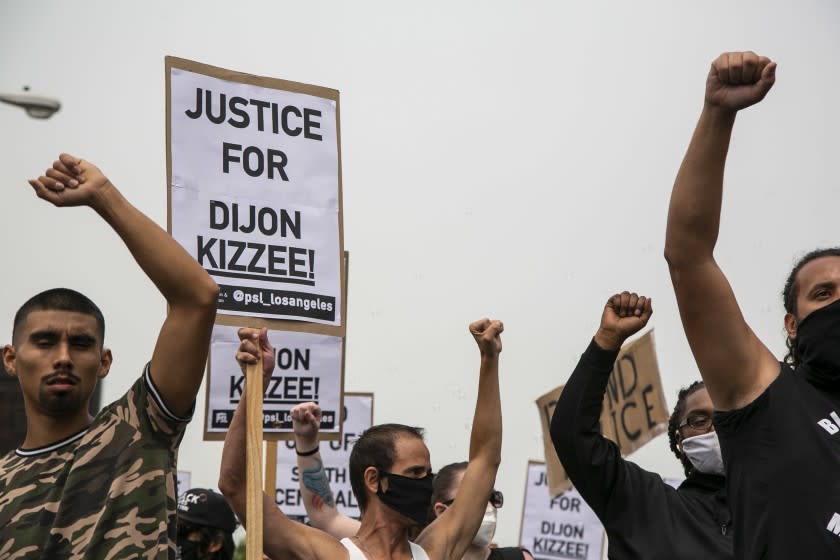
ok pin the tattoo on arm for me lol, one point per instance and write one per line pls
(315, 480)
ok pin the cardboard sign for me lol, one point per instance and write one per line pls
(255, 190)
(559, 527)
(634, 409)
(358, 417)
(309, 367)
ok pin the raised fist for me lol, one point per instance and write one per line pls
(738, 80)
(486, 334)
(71, 182)
(624, 315)
(306, 421)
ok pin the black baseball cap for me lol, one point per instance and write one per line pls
(206, 508)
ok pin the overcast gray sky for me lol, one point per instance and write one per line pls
(502, 159)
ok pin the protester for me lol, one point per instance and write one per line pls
(644, 517)
(777, 425)
(390, 472)
(444, 490)
(317, 496)
(205, 526)
(82, 487)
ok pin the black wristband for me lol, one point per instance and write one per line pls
(307, 453)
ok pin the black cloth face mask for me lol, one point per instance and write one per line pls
(407, 496)
(818, 347)
(189, 550)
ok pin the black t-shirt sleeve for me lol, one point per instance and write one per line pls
(593, 463)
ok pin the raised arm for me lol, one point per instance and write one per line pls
(314, 483)
(180, 354)
(451, 533)
(734, 363)
(282, 537)
(594, 464)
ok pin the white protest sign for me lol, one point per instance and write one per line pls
(559, 527)
(308, 368)
(182, 482)
(255, 190)
(335, 456)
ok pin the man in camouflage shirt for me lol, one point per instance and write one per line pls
(103, 487)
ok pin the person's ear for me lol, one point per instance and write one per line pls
(371, 478)
(439, 508)
(216, 544)
(9, 355)
(105, 363)
(791, 325)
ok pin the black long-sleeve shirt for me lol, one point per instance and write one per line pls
(643, 516)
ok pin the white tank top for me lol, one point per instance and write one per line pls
(417, 551)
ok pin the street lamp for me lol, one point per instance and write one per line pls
(35, 106)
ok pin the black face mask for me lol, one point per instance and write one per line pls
(408, 496)
(188, 550)
(192, 550)
(818, 347)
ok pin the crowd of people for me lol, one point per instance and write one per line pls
(758, 438)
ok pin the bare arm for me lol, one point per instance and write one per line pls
(734, 363)
(314, 483)
(180, 353)
(450, 535)
(282, 537)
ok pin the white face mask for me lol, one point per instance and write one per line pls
(485, 533)
(704, 453)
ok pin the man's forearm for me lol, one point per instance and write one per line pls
(694, 212)
(176, 274)
(233, 468)
(314, 483)
(486, 435)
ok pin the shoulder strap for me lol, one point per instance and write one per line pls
(417, 551)
(352, 549)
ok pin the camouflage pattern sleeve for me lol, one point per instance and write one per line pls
(105, 493)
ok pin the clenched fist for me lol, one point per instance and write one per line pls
(487, 336)
(624, 315)
(738, 80)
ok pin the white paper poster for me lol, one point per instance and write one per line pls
(255, 191)
(308, 368)
(182, 482)
(560, 527)
(335, 456)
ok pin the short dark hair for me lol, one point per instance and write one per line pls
(443, 484)
(376, 448)
(674, 423)
(60, 299)
(791, 292)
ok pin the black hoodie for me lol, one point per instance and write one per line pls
(643, 516)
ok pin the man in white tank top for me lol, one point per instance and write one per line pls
(391, 476)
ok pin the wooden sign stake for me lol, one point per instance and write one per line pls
(253, 447)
